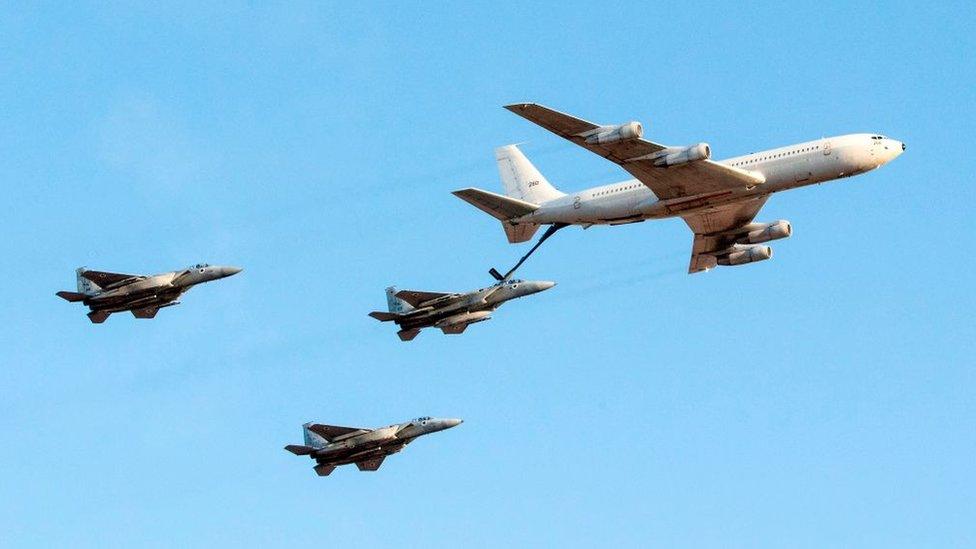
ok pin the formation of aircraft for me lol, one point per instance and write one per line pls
(451, 312)
(144, 295)
(331, 446)
(718, 199)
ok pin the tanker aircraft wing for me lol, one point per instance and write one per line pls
(717, 229)
(645, 160)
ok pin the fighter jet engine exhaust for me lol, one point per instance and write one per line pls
(742, 255)
(675, 156)
(613, 134)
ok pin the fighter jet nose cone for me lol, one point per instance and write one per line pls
(453, 422)
(230, 271)
(545, 285)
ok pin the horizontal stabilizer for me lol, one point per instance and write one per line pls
(323, 470)
(382, 316)
(370, 464)
(299, 450)
(71, 296)
(496, 205)
(97, 317)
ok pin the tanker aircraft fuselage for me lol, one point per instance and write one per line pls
(718, 199)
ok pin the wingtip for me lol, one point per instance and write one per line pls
(518, 106)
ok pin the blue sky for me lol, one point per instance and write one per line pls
(823, 398)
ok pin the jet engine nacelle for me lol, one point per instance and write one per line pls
(741, 255)
(612, 134)
(764, 232)
(464, 318)
(675, 156)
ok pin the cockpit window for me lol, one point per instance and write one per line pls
(201, 265)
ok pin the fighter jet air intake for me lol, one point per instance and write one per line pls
(144, 295)
(718, 199)
(451, 312)
(331, 446)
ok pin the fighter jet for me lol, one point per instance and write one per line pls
(331, 446)
(144, 295)
(452, 313)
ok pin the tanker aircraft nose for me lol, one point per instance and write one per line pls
(893, 149)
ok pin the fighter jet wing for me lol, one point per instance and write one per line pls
(711, 228)
(333, 433)
(107, 280)
(637, 156)
(370, 464)
(418, 299)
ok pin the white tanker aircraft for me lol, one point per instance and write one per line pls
(718, 199)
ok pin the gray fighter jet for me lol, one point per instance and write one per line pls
(144, 295)
(452, 313)
(331, 446)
